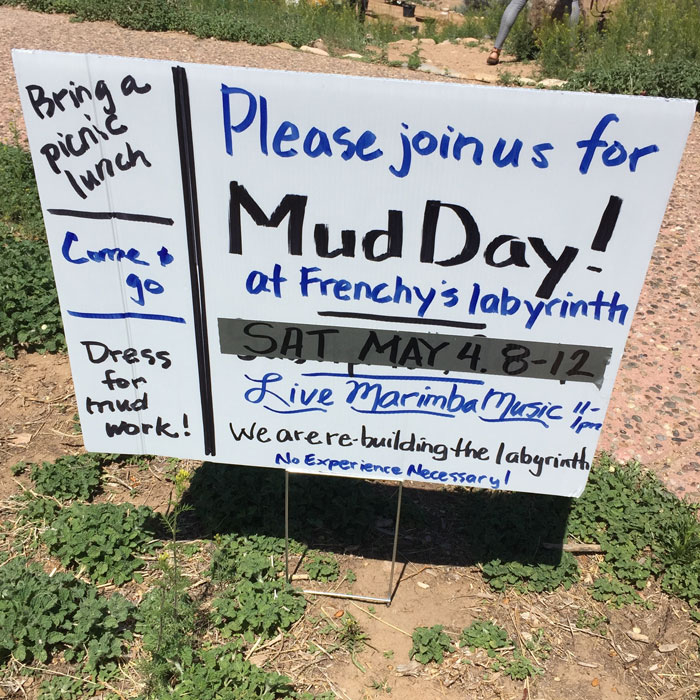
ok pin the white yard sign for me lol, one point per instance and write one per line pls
(348, 276)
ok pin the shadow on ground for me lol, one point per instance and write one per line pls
(453, 526)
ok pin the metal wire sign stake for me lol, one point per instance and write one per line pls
(334, 594)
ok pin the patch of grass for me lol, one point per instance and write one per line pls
(260, 22)
(104, 539)
(19, 196)
(639, 75)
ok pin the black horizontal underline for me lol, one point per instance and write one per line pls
(125, 216)
(401, 319)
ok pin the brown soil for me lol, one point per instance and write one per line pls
(653, 416)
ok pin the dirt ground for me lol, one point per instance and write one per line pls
(653, 416)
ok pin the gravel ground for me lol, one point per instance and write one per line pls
(654, 414)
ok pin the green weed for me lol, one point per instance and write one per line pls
(615, 592)
(44, 614)
(484, 635)
(62, 688)
(19, 196)
(167, 628)
(322, 567)
(639, 75)
(69, 477)
(644, 531)
(591, 621)
(221, 673)
(256, 608)
(103, 539)
(255, 557)
(351, 636)
(29, 315)
(536, 577)
(518, 667)
(430, 644)
(414, 59)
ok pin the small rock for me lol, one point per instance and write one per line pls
(314, 50)
(470, 40)
(428, 42)
(666, 648)
(527, 81)
(412, 669)
(637, 636)
(20, 439)
(352, 55)
(484, 77)
(420, 584)
(425, 68)
(283, 45)
(551, 82)
(319, 44)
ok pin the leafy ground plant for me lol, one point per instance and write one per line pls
(322, 566)
(104, 540)
(257, 608)
(29, 316)
(518, 667)
(484, 635)
(68, 478)
(43, 615)
(221, 673)
(430, 644)
(250, 557)
(643, 530)
(531, 577)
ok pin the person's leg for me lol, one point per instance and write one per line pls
(575, 13)
(510, 14)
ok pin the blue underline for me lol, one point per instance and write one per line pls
(423, 413)
(298, 410)
(514, 420)
(127, 314)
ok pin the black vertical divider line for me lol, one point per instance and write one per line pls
(194, 244)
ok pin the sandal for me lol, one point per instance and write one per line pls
(494, 57)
